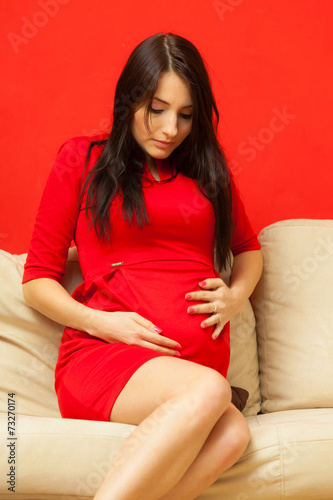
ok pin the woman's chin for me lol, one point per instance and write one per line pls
(159, 155)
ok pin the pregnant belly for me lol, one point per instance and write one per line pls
(156, 290)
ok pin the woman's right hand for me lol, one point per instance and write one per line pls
(51, 299)
(132, 329)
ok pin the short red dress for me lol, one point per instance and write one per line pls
(146, 270)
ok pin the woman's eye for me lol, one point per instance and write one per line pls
(159, 111)
(156, 111)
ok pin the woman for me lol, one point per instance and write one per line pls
(146, 337)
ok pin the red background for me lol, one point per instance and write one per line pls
(61, 60)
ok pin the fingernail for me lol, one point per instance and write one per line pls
(190, 310)
(177, 354)
(158, 330)
(188, 296)
(202, 283)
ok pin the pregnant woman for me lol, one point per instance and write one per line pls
(150, 207)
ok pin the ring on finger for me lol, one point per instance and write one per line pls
(214, 310)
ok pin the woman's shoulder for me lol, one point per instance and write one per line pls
(72, 154)
(80, 144)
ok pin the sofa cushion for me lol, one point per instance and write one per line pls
(30, 341)
(293, 304)
(60, 458)
(290, 456)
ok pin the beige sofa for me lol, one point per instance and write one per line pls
(285, 361)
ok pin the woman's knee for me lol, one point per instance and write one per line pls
(235, 435)
(239, 432)
(242, 435)
(211, 393)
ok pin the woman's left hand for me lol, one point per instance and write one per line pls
(221, 302)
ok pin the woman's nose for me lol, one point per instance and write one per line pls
(170, 126)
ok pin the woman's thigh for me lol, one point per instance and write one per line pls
(161, 379)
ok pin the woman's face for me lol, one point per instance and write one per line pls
(170, 119)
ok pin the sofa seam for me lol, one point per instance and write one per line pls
(266, 379)
(294, 223)
(282, 466)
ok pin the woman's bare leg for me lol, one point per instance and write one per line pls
(224, 446)
(175, 404)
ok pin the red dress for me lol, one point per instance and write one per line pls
(146, 270)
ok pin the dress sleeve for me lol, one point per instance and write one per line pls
(244, 238)
(57, 214)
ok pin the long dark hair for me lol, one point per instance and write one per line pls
(199, 156)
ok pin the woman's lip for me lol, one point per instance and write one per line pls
(163, 144)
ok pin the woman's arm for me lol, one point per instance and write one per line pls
(51, 299)
(245, 275)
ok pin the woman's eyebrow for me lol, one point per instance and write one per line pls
(165, 102)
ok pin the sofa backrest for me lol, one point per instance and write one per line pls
(293, 305)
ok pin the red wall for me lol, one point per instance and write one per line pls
(271, 65)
